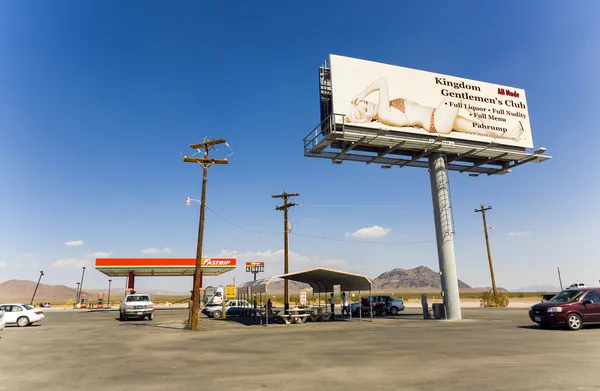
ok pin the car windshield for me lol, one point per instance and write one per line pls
(28, 306)
(567, 296)
(138, 298)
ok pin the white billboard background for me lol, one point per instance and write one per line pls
(484, 112)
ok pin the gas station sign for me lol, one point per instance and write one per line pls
(255, 267)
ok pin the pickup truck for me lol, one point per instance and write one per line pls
(137, 305)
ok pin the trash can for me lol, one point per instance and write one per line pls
(439, 312)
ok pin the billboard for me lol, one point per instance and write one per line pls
(255, 267)
(397, 99)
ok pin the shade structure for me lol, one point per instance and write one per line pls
(320, 279)
(147, 267)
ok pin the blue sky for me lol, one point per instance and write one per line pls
(99, 100)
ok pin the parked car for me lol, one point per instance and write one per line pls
(2, 322)
(232, 308)
(393, 305)
(45, 305)
(136, 305)
(576, 286)
(570, 308)
(21, 314)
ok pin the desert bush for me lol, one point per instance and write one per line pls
(488, 299)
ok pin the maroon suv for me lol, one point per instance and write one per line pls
(571, 308)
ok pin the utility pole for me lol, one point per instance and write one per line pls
(76, 296)
(81, 285)
(205, 162)
(109, 281)
(36, 287)
(487, 243)
(286, 205)
(559, 278)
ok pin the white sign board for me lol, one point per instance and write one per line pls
(393, 98)
(302, 298)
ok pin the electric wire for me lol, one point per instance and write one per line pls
(337, 239)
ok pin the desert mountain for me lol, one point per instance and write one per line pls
(419, 277)
(21, 290)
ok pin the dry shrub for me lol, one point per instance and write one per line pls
(488, 299)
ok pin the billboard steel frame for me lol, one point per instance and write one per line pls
(338, 141)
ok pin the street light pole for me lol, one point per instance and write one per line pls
(76, 296)
(487, 244)
(81, 285)
(36, 287)
(205, 162)
(109, 281)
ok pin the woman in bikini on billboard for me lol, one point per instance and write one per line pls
(406, 113)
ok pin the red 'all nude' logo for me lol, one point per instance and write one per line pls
(507, 92)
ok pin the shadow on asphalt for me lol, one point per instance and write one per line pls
(559, 328)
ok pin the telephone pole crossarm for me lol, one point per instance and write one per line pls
(204, 160)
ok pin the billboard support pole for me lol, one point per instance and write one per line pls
(438, 176)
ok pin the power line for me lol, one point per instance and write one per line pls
(239, 226)
(375, 242)
(352, 206)
(336, 239)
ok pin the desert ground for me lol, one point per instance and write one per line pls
(492, 349)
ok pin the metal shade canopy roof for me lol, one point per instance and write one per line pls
(320, 279)
(147, 267)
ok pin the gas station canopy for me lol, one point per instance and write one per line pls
(146, 267)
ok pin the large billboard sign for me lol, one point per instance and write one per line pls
(397, 99)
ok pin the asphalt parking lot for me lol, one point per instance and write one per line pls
(495, 349)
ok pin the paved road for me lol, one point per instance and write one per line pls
(495, 350)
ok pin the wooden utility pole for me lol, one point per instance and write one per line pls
(205, 162)
(487, 243)
(559, 278)
(286, 205)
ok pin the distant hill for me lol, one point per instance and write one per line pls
(489, 288)
(539, 288)
(22, 290)
(277, 286)
(419, 277)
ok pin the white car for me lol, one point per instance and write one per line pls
(21, 314)
(2, 322)
(137, 305)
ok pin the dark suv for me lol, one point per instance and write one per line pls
(571, 308)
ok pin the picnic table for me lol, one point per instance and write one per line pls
(296, 315)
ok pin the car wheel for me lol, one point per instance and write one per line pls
(394, 311)
(574, 322)
(23, 321)
(216, 314)
(150, 316)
